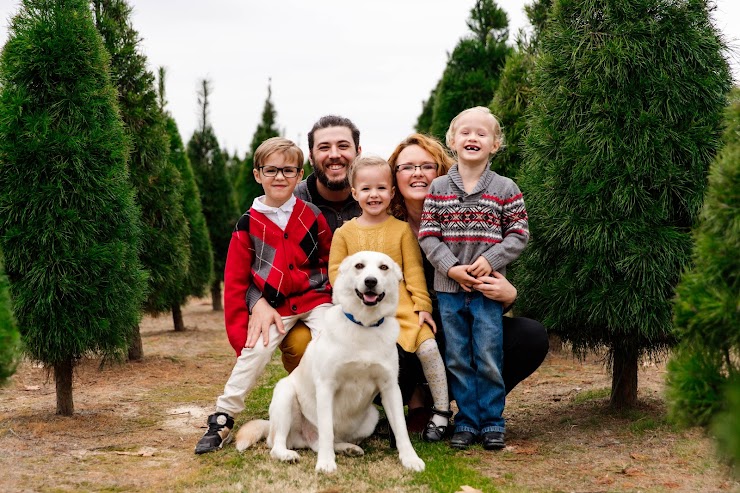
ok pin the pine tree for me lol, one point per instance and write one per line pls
(625, 118)
(707, 320)
(9, 338)
(165, 253)
(247, 189)
(474, 67)
(200, 269)
(217, 193)
(424, 122)
(514, 91)
(69, 226)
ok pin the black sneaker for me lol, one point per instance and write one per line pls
(218, 434)
(493, 440)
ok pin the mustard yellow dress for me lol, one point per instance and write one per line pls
(394, 238)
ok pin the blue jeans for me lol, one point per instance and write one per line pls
(474, 356)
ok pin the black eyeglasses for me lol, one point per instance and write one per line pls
(287, 171)
(411, 168)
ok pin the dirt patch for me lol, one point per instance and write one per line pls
(136, 424)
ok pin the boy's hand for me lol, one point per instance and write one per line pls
(480, 267)
(262, 317)
(427, 317)
(459, 274)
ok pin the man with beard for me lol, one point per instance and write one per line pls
(333, 143)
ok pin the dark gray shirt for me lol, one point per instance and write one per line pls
(336, 213)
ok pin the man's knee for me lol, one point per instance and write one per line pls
(294, 345)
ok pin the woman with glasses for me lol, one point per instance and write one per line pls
(415, 162)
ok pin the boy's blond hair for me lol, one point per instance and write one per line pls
(281, 145)
(498, 134)
(366, 162)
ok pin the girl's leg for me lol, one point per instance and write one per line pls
(434, 370)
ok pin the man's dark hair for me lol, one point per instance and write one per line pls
(334, 121)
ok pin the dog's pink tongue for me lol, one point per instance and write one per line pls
(370, 297)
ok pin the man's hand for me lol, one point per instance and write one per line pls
(480, 267)
(459, 274)
(262, 317)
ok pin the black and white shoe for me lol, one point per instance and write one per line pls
(218, 434)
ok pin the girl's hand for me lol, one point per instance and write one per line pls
(496, 287)
(459, 274)
(262, 317)
(480, 268)
(426, 317)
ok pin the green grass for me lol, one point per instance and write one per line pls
(592, 395)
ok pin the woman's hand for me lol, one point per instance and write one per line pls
(262, 317)
(459, 274)
(426, 317)
(496, 287)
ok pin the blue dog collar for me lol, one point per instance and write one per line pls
(349, 316)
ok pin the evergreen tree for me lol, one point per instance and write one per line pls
(165, 253)
(69, 226)
(706, 315)
(247, 189)
(625, 117)
(474, 67)
(217, 193)
(200, 269)
(9, 338)
(424, 122)
(514, 91)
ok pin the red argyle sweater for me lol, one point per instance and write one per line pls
(287, 268)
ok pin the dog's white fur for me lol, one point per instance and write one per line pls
(326, 404)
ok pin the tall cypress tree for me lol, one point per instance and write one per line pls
(200, 268)
(217, 193)
(9, 338)
(69, 226)
(707, 320)
(625, 119)
(247, 189)
(165, 253)
(474, 67)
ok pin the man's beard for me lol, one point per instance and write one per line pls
(334, 186)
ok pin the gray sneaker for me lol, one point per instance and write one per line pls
(218, 434)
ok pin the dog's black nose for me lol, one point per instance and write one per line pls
(371, 282)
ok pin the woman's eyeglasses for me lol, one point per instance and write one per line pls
(287, 171)
(411, 168)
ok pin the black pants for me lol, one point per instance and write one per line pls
(525, 347)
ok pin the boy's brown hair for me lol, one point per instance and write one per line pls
(286, 147)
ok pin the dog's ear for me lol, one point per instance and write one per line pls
(396, 270)
(345, 265)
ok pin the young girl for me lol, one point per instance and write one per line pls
(376, 230)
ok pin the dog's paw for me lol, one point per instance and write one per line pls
(412, 462)
(327, 467)
(285, 455)
(349, 449)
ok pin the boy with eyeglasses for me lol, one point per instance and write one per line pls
(279, 252)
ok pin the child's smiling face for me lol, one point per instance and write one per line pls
(473, 139)
(373, 190)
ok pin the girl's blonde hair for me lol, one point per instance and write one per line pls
(363, 161)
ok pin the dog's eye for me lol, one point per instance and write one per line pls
(359, 266)
(383, 267)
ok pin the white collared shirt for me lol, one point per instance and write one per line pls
(278, 215)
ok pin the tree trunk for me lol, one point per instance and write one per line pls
(218, 305)
(177, 318)
(624, 379)
(63, 380)
(135, 346)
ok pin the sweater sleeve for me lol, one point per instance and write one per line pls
(339, 249)
(430, 234)
(237, 280)
(413, 270)
(514, 231)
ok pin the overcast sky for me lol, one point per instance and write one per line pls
(371, 61)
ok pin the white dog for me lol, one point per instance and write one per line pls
(326, 404)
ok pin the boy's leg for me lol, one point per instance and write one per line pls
(454, 309)
(488, 355)
(248, 368)
(316, 319)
